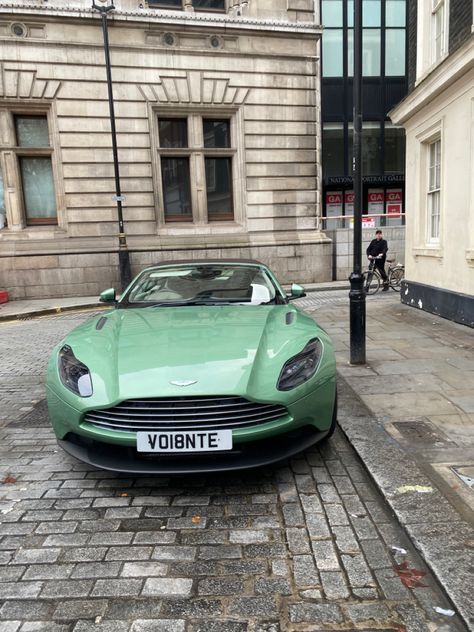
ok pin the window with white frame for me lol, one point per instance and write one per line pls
(438, 29)
(27, 152)
(434, 190)
(196, 165)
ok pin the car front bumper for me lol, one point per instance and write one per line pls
(242, 456)
(308, 421)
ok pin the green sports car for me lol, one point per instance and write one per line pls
(200, 366)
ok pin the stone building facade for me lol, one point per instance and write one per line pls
(438, 116)
(217, 106)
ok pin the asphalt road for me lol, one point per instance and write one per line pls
(306, 545)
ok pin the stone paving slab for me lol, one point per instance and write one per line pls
(306, 545)
(407, 413)
(259, 574)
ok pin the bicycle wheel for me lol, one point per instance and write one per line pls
(396, 278)
(371, 282)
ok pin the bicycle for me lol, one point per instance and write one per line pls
(373, 279)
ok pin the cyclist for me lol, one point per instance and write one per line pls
(377, 252)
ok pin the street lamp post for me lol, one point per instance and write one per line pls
(357, 294)
(124, 255)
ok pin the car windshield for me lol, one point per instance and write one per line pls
(202, 284)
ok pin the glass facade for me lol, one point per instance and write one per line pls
(333, 53)
(384, 85)
(395, 46)
(332, 14)
(333, 143)
(394, 155)
(372, 46)
(383, 37)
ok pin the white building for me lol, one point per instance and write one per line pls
(438, 115)
(217, 106)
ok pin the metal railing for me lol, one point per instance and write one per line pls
(374, 220)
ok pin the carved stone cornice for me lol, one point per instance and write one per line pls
(24, 84)
(193, 87)
(185, 18)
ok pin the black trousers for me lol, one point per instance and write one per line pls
(380, 265)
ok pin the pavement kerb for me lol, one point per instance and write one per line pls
(443, 539)
(49, 311)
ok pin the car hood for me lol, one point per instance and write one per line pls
(220, 350)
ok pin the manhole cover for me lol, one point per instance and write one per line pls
(419, 432)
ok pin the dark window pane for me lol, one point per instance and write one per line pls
(332, 13)
(219, 188)
(395, 52)
(172, 4)
(32, 131)
(209, 5)
(332, 53)
(333, 149)
(38, 190)
(350, 146)
(176, 188)
(216, 133)
(394, 149)
(371, 149)
(173, 132)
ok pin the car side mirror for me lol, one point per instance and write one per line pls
(297, 291)
(108, 296)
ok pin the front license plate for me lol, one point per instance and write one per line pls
(205, 441)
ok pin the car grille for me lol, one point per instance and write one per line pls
(184, 413)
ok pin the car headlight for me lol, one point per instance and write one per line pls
(300, 367)
(73, 373)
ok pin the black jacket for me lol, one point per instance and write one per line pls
(378, 248)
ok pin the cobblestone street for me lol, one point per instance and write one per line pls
(306, 545)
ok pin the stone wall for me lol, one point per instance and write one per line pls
(342, 248)
(263, 74)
